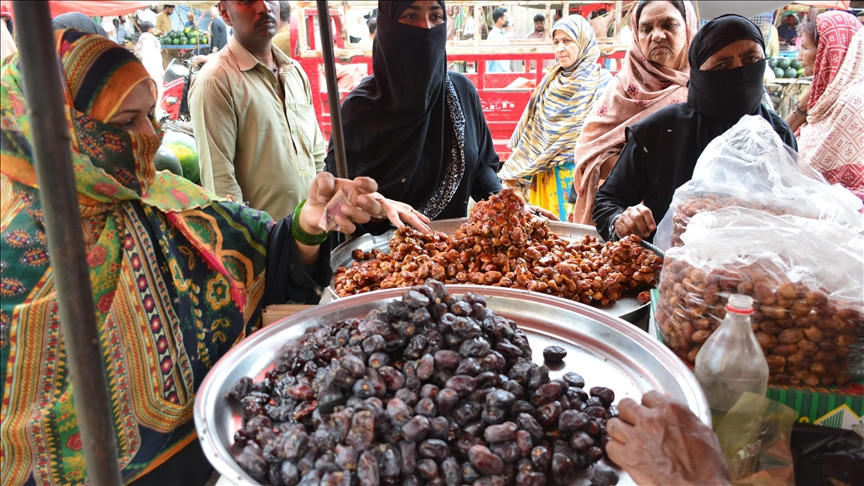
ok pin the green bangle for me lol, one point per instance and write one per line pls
(301, 235)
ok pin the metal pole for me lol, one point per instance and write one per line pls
(43, 89)
(332, 89)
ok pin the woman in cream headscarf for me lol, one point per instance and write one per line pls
(654, 75)
(542, 160)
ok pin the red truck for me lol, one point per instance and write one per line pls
(503, 95)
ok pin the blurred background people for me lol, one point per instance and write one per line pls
(541, 164)
(282, 39)
(788, 31)
(539, 31)
(218, 30)
(498, 36)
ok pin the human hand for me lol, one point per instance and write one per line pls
(361, 202)
(663, 442)
(400, 213)
(538, 211)
(635, 220)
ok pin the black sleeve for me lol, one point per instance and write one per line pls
(624, 188)
(487, 181)
(288, 280)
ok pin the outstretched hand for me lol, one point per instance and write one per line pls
(663, 442)
(362, 204)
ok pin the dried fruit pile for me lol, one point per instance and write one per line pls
(504, 246)
(432, 390)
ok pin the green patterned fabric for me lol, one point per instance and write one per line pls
(177, 277)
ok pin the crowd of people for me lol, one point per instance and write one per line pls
(180, 272)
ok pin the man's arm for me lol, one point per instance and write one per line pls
(215, 125)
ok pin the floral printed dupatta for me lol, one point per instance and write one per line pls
(177, 277)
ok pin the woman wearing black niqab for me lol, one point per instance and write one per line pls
(416, 128)
(662, 150)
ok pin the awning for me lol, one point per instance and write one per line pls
(89, 8)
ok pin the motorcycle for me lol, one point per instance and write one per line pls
(175, 90)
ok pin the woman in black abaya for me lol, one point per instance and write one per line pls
(727, 62)
(416, 128)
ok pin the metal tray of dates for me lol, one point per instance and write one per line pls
(627, 308)
(605, 350)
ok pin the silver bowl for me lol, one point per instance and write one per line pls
(604, 349)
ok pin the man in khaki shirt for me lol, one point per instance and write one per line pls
(163, 20)
(255, 127)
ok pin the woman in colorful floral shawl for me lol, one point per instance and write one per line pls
(542, 157)
(178, 276)
(831, 140)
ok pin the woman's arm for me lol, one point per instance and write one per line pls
(798, 116)
(617, 208)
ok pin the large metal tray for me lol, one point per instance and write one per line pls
(627, 308)
(605, 350)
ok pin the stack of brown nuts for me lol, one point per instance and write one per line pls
(808, 336)
(709, 201)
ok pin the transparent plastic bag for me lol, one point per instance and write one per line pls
(755, 437)
(750, 166)
(806, 278)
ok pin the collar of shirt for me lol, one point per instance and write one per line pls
(246, 61)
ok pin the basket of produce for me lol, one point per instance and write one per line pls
(432, 383)
(502, 245)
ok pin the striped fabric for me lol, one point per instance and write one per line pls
(544, 138)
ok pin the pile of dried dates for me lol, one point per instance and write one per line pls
(502, 245)
(431, 390)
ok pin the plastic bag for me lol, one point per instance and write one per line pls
(755, 437)
(806, 278)
(750, 166)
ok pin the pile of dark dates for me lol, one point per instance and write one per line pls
(502, 245)
(431, 390)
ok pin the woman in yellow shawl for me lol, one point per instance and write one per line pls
(178, 275)
(541, 163)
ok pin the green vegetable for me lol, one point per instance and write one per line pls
(772, 63)
(778, 72)
(790, 73)
(166, 160)
(184, 148)
(784, 62)
(796, 64)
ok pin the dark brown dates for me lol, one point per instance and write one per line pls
(554, 354)
(432, 390)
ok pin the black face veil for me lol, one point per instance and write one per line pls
(732, 93)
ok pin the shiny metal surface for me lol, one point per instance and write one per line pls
(605, 350)
(627, 308)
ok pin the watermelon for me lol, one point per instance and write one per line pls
(166, 160)
(784, 62)
(184, 148)
(772, 63)
(790, 73)
(779, 72)
(796, 64)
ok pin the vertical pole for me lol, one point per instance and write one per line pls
(332, 89)
(43, 89)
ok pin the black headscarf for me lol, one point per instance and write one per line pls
(404, 105)
(77, 21)
(669, 142)
(729, 94)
